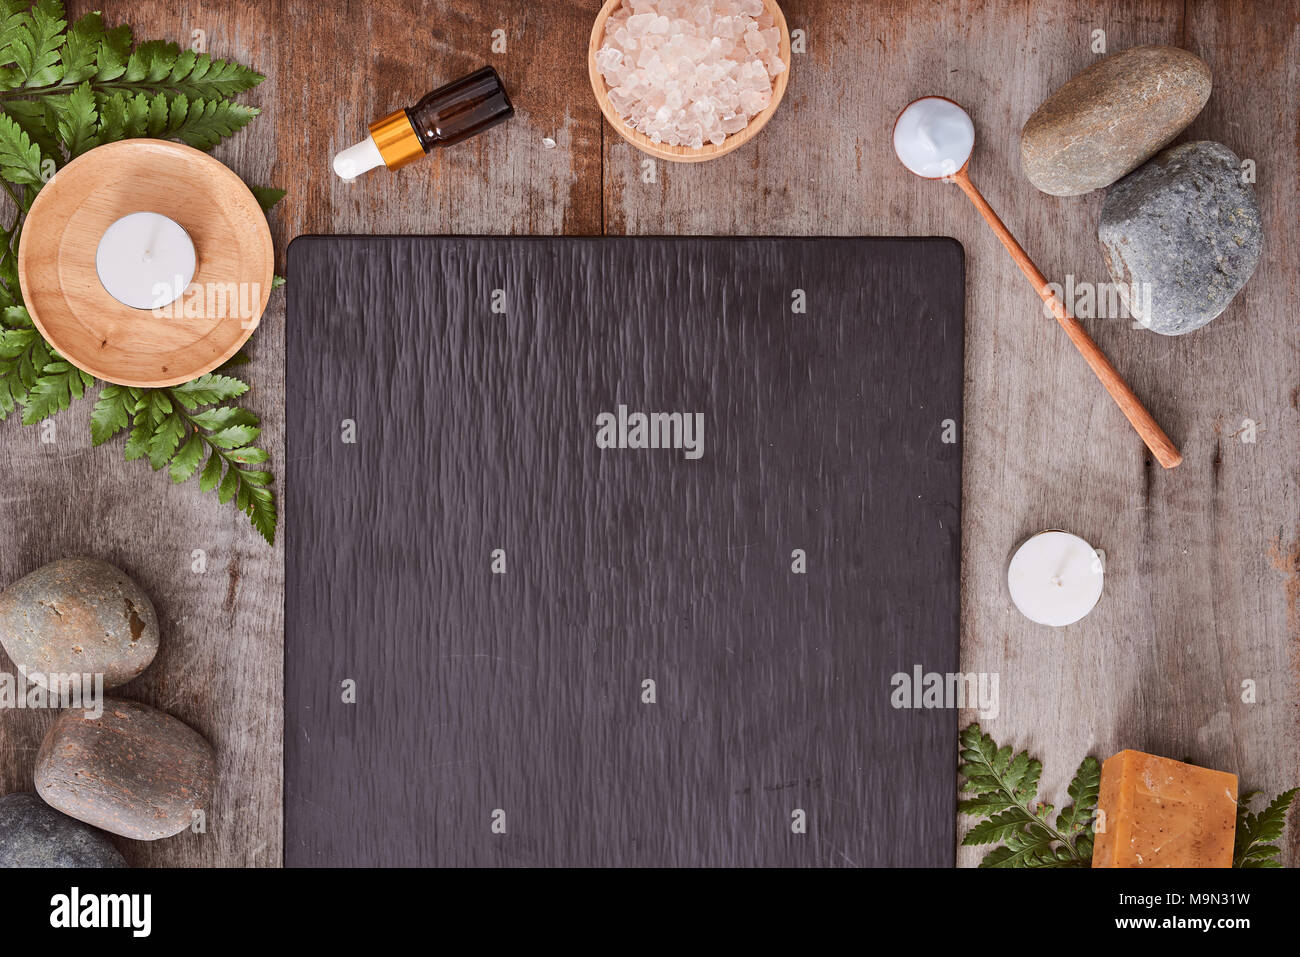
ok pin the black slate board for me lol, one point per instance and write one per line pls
(481, 693)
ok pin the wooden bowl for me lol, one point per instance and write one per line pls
(141, 347)
(685, 154)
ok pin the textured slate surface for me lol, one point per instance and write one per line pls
(521, 693)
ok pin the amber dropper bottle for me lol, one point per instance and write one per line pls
(451, 113)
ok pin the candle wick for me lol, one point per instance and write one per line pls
(1056, 580)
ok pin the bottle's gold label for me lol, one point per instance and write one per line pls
(396, 139)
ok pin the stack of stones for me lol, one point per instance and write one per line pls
(1179, 223)
(131, 770)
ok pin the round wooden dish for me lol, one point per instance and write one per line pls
(684, 154)
(140, 347)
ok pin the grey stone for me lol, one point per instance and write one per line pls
(33, 834)
(1111, 118)
(1187, 225)
(78, 616)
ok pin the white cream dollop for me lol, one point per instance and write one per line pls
(934, 137)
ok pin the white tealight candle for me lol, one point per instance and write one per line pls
(145, 260)
(1055, 578)
(933, 137)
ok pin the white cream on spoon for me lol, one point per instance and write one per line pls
(934, 137)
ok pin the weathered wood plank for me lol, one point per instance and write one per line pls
(1203, 588)
(219, 667)
(343, 65)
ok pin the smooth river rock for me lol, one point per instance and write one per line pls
(33, 834)
(134, 771)
(1111, 118)
(78, 616)
(1187, 225)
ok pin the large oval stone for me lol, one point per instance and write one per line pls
(133, 771)
(78, 616)
(33, 834)
(1111, 118)
(1181, 236)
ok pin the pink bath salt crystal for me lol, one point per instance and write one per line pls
(755, 101)
(639, 24)
(622, 99)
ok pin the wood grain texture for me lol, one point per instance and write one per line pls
(1203, 589)
(522, 691)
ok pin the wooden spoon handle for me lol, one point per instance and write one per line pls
(1160, 445)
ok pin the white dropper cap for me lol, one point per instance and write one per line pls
(358, 159)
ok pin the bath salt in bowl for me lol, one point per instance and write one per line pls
(689, 80)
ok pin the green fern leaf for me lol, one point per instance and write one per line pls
(35, 48)
(186, 461)
(81, 48)
(111, 414)
(208, 389)
(211, 473)
(1083, 790)
(114, 50)
(165, 439)
(1005, 785)
(208, 122)
(20, 158)
(209, 79)
(1256, 832)
(996, 829)
(39, 119)
(151, 62)
(59, 383)
(266, 197)
(78, 121)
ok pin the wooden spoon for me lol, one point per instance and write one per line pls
(953, 153)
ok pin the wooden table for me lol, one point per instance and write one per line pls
(1203, 586)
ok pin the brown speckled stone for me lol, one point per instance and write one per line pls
(1111, 118)
(78, 616)
(134, 771)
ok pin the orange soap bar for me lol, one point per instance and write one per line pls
(1154, 812)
